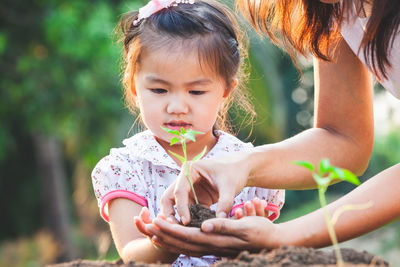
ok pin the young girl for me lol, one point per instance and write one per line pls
(182, 63)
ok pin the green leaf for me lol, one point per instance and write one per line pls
(174, 140)
(175, 132)
(195, 132)
(304, 164)
(337, 172)
(324, 166)
(199, 156)
(182, 159)
(183, 131)
(344, 175)
(190, 136)
(350, 177)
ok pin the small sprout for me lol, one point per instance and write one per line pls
(181, 136)
(325, 175)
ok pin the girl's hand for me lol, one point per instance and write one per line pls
(142, 220)
(145, 224)
(256, 207)
(216, 180)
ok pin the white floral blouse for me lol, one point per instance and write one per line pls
(142, 170)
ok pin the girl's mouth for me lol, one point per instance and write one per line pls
(177, 125)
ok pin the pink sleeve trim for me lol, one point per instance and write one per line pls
(119, 194)
(270, 207)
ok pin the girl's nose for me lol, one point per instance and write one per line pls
(177, 104)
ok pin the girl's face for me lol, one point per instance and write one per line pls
(173, 91)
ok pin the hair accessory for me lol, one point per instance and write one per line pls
(156, 5)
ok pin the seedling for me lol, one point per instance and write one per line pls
(323, 177)
(181, 136)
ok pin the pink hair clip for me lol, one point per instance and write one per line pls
(156, 5)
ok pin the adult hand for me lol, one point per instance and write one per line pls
(221, 237)
(214, 180)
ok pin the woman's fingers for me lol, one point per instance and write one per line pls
(181, 195)
(191, 241)
(225, 201)
(167, 202)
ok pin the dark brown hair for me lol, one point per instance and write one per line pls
(207, 26)
(305, 26)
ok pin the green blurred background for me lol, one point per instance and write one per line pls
(61, 110)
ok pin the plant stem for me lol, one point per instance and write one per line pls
(329, 224)
(187, 171)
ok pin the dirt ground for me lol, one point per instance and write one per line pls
(284, 256)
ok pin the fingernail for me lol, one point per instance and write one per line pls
(207, 227)
(184, 221)
(221, 215)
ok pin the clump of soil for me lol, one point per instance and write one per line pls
(281, 257)
(199, 214)
(302, 257)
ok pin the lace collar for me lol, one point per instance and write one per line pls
(144, 146)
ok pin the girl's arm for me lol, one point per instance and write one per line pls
(130, 243)
(343, 132)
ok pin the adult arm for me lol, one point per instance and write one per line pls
(227, 237)
(342, 132)
(130, 243)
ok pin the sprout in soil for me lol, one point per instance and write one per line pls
(181, 136)
(323, 177)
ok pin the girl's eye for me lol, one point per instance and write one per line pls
(158, 90)
(197, 92)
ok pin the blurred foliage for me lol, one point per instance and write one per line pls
(59, 67)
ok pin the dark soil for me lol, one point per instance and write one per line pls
(301, 256)
(282, 257)
(199, 214)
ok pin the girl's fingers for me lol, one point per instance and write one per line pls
(145, 215)
(249, 209)
(170, 219)
(259, 207)
(141, 226)
(239, 213)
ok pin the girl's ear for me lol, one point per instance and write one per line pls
(233, 85)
